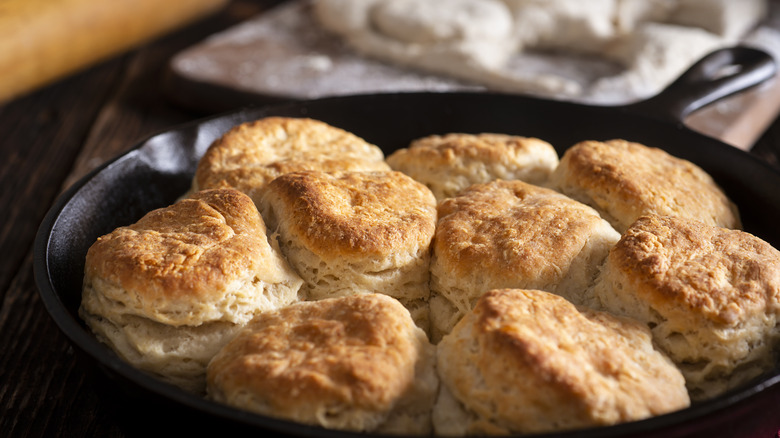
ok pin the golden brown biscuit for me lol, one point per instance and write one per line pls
(710, 295)
(251, 154)
(510, 234)
(355, 231)
(354, 363)
(448, 164)
(168, 291)
(625, 180)
(529, 361)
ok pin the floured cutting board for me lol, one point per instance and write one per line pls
(283, 54)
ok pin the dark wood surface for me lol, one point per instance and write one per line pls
(49, 139)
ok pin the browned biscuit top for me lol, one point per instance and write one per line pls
(485, 147)
(511, 229)
(355, 213)
(683, 265)
(531, 361)
(358, 350)
(251, 154)
(450, 163)
(629, 179)
(187, 251)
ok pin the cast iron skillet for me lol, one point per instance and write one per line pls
(158, 170)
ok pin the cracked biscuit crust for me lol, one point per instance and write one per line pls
(252, 154)
(529, 361)
(450, 163)
(625, 180)
(185, 264)
(710, 295)
(354, 214)
(345, 363)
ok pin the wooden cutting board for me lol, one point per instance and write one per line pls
(44, 40)
(282, 54)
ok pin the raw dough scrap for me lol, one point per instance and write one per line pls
(729, 19)
(570, 25)
(654, 41)
(466, 39)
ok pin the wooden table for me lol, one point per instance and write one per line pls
(49, 139)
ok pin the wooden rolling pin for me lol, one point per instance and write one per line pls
(44, 40)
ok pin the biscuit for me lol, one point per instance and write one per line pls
(450, 163)
(251, 154)
(168, 291)
(510, 234)
(527, 361)
(625, 180)
(356, 362)
(710, 295)
(355, 231)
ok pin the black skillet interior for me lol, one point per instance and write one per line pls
(158, 170)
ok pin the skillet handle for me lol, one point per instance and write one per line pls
(721, 73)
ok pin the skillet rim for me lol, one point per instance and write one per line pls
(79, 336)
